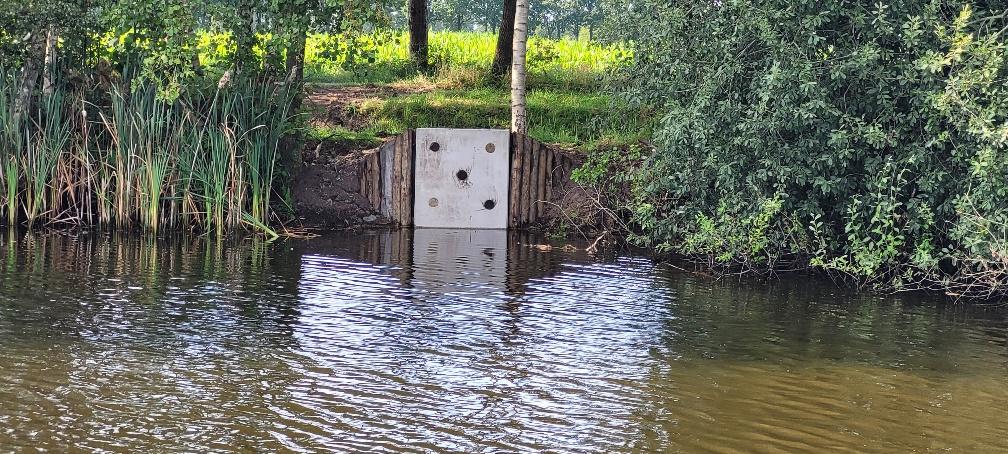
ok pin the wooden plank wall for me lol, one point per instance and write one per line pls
(536, 169)
(387, 178)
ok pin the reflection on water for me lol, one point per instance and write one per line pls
(470, 341)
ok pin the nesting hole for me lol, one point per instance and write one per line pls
(462, 175)
(489, 204)
(434, 146)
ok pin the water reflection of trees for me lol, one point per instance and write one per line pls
(801, 364)
(144, 343)
(69, 281)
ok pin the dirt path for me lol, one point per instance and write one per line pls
(336, 105)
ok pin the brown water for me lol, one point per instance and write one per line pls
(447, 342)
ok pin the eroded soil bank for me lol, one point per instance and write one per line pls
(326, 187)
(327, 194)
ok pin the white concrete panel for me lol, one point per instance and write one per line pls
(461, 178)
(452, 260)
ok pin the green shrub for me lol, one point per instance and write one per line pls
(880, 129)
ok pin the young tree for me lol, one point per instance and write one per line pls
(418, 31)
(505, 39)
(518, 121)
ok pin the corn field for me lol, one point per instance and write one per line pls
(123, 157)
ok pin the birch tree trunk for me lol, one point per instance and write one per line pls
(518, 120)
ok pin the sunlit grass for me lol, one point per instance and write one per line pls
(558, 117)
(384, 57)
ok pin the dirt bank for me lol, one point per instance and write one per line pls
(327, 194)
(327, 191)
(326, 188)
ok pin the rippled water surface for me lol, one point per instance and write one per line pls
(441, 341)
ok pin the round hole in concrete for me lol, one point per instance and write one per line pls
(490, 148)
(434, 146)
(489, 204)
(433, 202)
(462, 175)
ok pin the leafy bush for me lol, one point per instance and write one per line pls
(879, 130)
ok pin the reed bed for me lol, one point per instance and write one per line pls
(124, 157)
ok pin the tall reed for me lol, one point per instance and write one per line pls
(135, 160)
(48, 134)
(11, 143)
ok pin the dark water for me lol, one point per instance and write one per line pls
(446, 342)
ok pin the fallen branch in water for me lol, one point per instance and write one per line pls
(594, 246)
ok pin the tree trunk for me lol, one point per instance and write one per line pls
(505, 40)
(30, 71)
(49, 62)
(518, 121)
(295, 69)
(418, 32)
(292, 143)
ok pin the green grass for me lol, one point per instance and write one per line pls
(384, 58)
(341, 135)
(565, 101)
(566, 79)
(558, 117)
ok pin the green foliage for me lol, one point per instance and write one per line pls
(880, 129)
(550, 18)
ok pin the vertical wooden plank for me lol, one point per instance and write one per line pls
(514, 189)
(365, 174)
(377, 187)
(550, 176)
(533, 156)
(399, 180)
(397, 199)
(384, 160)
(541, 188)
(533, 188)
(378, 182)
(370, 183)
(393, 163)
(524, 188)
(402, 143)
(410, 172)
(362, 178)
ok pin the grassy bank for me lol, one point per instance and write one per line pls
(567, 104)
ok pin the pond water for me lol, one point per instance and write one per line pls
(447, 341)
